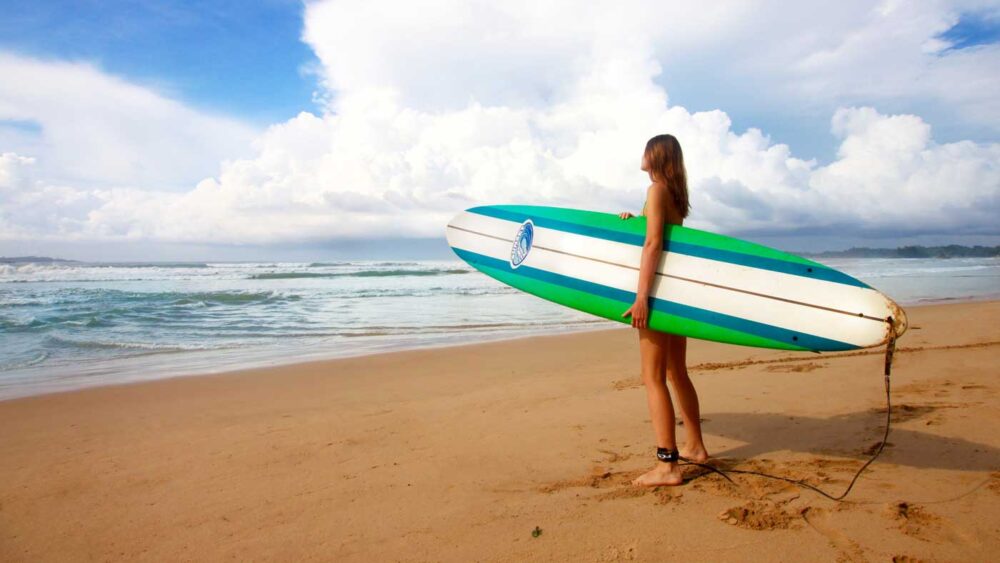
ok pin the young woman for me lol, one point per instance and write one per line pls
(662, 355)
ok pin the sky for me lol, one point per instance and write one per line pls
(278, 130)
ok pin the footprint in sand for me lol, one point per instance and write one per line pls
(627, 552)
(757, 515)
(911, 519)
(819, 520)
(994, 482)
(906, 412)
(915, 521)
(615, 485)
(615, 457)
(623, 384)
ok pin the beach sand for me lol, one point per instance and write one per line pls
(461, 453)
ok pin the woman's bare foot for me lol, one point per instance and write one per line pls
(699, 454)
(662, 474)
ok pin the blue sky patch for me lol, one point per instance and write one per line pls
(243, 59)
(973, 29)
(21, 125)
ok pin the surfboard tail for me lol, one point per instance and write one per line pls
(899, 323)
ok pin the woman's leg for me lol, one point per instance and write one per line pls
(687, 397)
(653, 352)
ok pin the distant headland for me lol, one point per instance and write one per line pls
(949, 251)
(36, 259)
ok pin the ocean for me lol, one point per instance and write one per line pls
(72, 325)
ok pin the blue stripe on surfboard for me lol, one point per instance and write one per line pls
(808, 341)
(759, 262)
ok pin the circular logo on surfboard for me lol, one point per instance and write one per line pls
(522, 243)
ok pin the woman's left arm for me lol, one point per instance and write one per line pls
(652, 249)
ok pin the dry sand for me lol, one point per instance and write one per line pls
(460, 453)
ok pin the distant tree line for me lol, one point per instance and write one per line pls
(21, 259)
(950, 251)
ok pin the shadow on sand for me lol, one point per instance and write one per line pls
(853, 435)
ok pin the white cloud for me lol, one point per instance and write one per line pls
(891, 171)
(815, 54)
(893, 53)
(436, 109)
(94, 129)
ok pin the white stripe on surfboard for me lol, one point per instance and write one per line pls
(851, 299)
(798, 318)
(875, 302)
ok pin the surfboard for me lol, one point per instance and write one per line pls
(706, 286)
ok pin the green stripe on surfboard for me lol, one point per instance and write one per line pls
(612, 309)
(637, 226)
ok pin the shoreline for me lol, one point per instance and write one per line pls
(279, 358)
(469, 448)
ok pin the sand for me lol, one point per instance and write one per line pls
(519, 450)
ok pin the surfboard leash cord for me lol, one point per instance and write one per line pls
(890, 349)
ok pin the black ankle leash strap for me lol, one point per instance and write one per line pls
(667, 455)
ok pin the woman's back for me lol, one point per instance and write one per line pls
(673, 216)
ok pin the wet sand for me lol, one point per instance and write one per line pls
(461, 453)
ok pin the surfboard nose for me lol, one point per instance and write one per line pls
(449, 230)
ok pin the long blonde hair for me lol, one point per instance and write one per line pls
(666, 164)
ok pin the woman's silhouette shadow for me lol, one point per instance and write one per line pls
(852, 435)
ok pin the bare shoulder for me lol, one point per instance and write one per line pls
(656, 192)
(658, 197)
